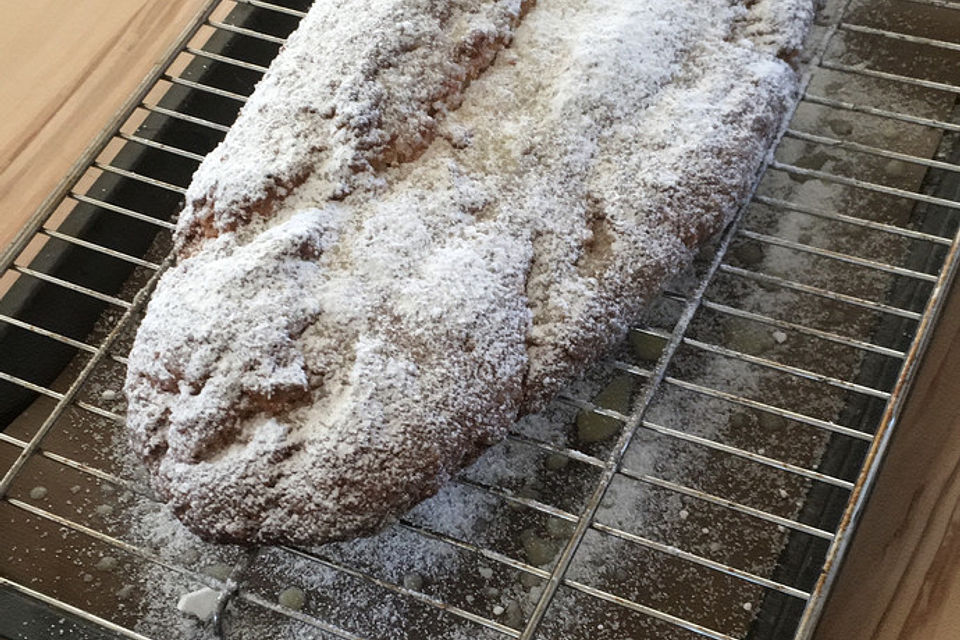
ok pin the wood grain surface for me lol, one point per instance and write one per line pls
(65, 67)
(901, 579)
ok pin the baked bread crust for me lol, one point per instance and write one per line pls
(427, 219)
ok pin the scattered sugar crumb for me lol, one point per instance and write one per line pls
(200, 604)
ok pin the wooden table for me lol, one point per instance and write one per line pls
(66, 66)
(902, 577)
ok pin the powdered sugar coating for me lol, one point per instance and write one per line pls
(328, 357)
(359, 85)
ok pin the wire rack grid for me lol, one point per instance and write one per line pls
(744, 421)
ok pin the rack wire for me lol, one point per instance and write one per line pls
(744, 421)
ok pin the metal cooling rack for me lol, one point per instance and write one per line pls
(820, 378)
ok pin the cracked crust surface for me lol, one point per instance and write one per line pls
(425, 221)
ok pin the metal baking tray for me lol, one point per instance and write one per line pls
(703, 481)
